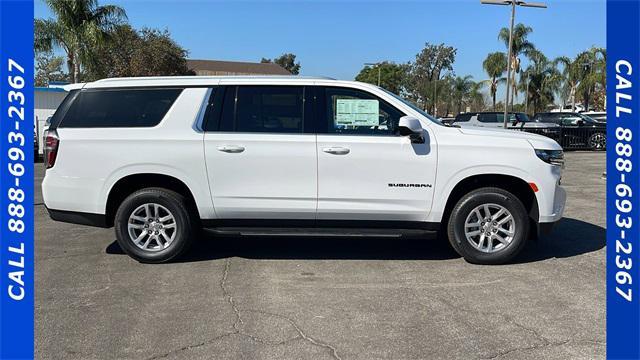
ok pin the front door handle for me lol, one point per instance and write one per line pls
(233, 149)
(336, 150)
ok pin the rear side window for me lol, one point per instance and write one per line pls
(263, 109)
(119, 108)
(463, 117)
(489, 118)
(62, 109)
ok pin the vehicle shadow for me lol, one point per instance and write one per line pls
(571, 237)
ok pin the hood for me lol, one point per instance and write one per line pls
(537, 141)
(533, 124)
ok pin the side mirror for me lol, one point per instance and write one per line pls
(410, 126)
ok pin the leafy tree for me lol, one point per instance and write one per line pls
(495, 65)
(392, 75)
(148, 52)
(426, 71)
(49, 68)
(583, 76)
(287, 61)
(462, 86)
(542, 80)
(78, 28)
(520, 46)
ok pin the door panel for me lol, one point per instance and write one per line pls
(274, 176)
(366, 170)
(260, 162)
(380, 178)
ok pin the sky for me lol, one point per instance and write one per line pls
(335, 38)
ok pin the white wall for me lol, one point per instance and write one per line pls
(46, 103)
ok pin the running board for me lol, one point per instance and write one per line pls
(319, 232)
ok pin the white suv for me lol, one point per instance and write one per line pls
(161, 157)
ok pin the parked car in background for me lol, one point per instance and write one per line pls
(516, 121)
(496, 120)
(599, 116)
(578, 130)
(447, 120)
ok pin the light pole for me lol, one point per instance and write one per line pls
(526, 104)
(513, 4)
(378, 66)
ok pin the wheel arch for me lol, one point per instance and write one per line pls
(130, 183)
(511, 183)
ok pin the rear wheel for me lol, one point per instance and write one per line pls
(598, 141)
(488, 226)
(154, 225)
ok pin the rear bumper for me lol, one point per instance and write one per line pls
(74, 217)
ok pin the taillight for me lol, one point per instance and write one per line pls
(51, 143)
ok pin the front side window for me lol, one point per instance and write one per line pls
(119, 108)
(356, 112)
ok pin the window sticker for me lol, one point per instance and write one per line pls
(357, 112)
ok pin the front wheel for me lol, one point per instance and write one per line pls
(153, 225)
(488, 226)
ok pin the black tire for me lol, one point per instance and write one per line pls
(598, 141)
(488, 195)
(178, 207)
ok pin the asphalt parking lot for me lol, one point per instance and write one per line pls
(327, 298)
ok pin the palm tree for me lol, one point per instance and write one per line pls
(520, 46)
(79, 27)
(461, 89)
(543, 80)
(495, 65)
(476, 97)
(583, 75)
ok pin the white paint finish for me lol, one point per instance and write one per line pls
(290, 176)
(355, 186)
(275, 176)
(91, 161)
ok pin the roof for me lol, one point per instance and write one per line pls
(48, 89)
(204, 81)
(217, 67)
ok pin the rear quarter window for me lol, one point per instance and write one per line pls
(119, 108)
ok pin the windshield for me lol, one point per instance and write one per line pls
(522, 117)
(587, 118)
(414, 107)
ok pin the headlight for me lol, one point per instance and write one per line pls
(553, 157)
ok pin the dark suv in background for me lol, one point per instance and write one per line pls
(577, 130)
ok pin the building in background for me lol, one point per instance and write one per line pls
(219, 68)
(46, 101)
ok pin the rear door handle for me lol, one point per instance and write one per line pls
(231, 148)
(336, 150)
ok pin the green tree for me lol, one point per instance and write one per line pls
(392, 75)
(79, 27)
(49, 68)
(583, 76)
(495, 65)
(426, 71)
(287, 61)
(148, 52)
(462, 86)
(542, 79)
(520, 46)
